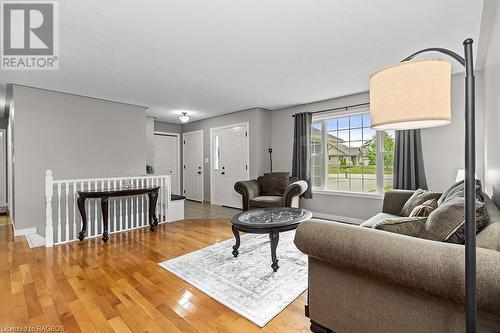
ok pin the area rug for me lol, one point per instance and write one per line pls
(246, 284)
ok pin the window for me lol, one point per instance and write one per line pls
(216, 152)
(389, 143)
(345, 155)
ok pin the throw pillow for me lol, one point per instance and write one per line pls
(273, 183)
(419, 197)
(458, 190)
(410, 226)
(447, 222)
(424, 209)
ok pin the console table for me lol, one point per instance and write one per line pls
(104, 195)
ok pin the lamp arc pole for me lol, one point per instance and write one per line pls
(470, 181)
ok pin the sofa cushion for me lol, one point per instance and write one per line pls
(418, 197)
(265, 201)
(377, 218)
(273, 183)
(489, 237)
(424, 209)
(410, 226)
(457, 190)
(446, 223)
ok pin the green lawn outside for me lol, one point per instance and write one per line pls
(358, 169)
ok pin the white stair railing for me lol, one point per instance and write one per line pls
(124, 213)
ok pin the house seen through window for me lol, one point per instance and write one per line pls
(349, 156)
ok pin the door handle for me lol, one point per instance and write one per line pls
(222, 173)
(199, 172)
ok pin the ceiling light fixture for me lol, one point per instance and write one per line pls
(184, 117)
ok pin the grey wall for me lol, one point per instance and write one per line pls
(492, 105)
(149, 128)
(443, 147)
(167, 127)
(259, 133)
(76, 137)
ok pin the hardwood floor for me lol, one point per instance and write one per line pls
(94, 287)
(196, 210)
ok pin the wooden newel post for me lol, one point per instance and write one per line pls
(49, 231)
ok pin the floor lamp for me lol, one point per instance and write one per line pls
(417, 94)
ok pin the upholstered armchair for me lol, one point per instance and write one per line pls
(271, 190)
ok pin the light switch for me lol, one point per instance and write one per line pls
(206, 160)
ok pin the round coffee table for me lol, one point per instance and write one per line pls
(270, 221)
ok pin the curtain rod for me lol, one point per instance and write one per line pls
(340, 108)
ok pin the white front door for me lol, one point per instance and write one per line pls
(166, 158)
(230, 164)
(193, 165)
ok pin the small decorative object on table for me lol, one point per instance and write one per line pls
(270, 221)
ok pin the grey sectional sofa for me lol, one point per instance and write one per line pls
(368, 280)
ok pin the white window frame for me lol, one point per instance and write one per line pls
(379, 138)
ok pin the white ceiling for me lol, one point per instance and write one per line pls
(219, 56)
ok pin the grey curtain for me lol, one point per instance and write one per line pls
(409, 171)
(301, 163)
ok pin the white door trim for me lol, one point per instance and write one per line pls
(247, 124)
(178, 135)
(202, 165)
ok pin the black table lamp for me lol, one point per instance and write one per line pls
(417, 94)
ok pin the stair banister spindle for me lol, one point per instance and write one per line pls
(58, 212)
(160, 198)
(89, 216)
(74, 211)
(128, 225)
(96, 211)
(132, 214)
(98, 203)
(66, 194)
(121, 208)
(114, 208)
(142, 204)
(168, 189)
(49, 191)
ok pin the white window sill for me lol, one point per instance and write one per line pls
(376, 196)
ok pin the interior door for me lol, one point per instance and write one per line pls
(193, 165)
(166, 158)
(233, 165)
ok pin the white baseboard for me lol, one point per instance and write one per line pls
(23, 232)
(345, 219)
